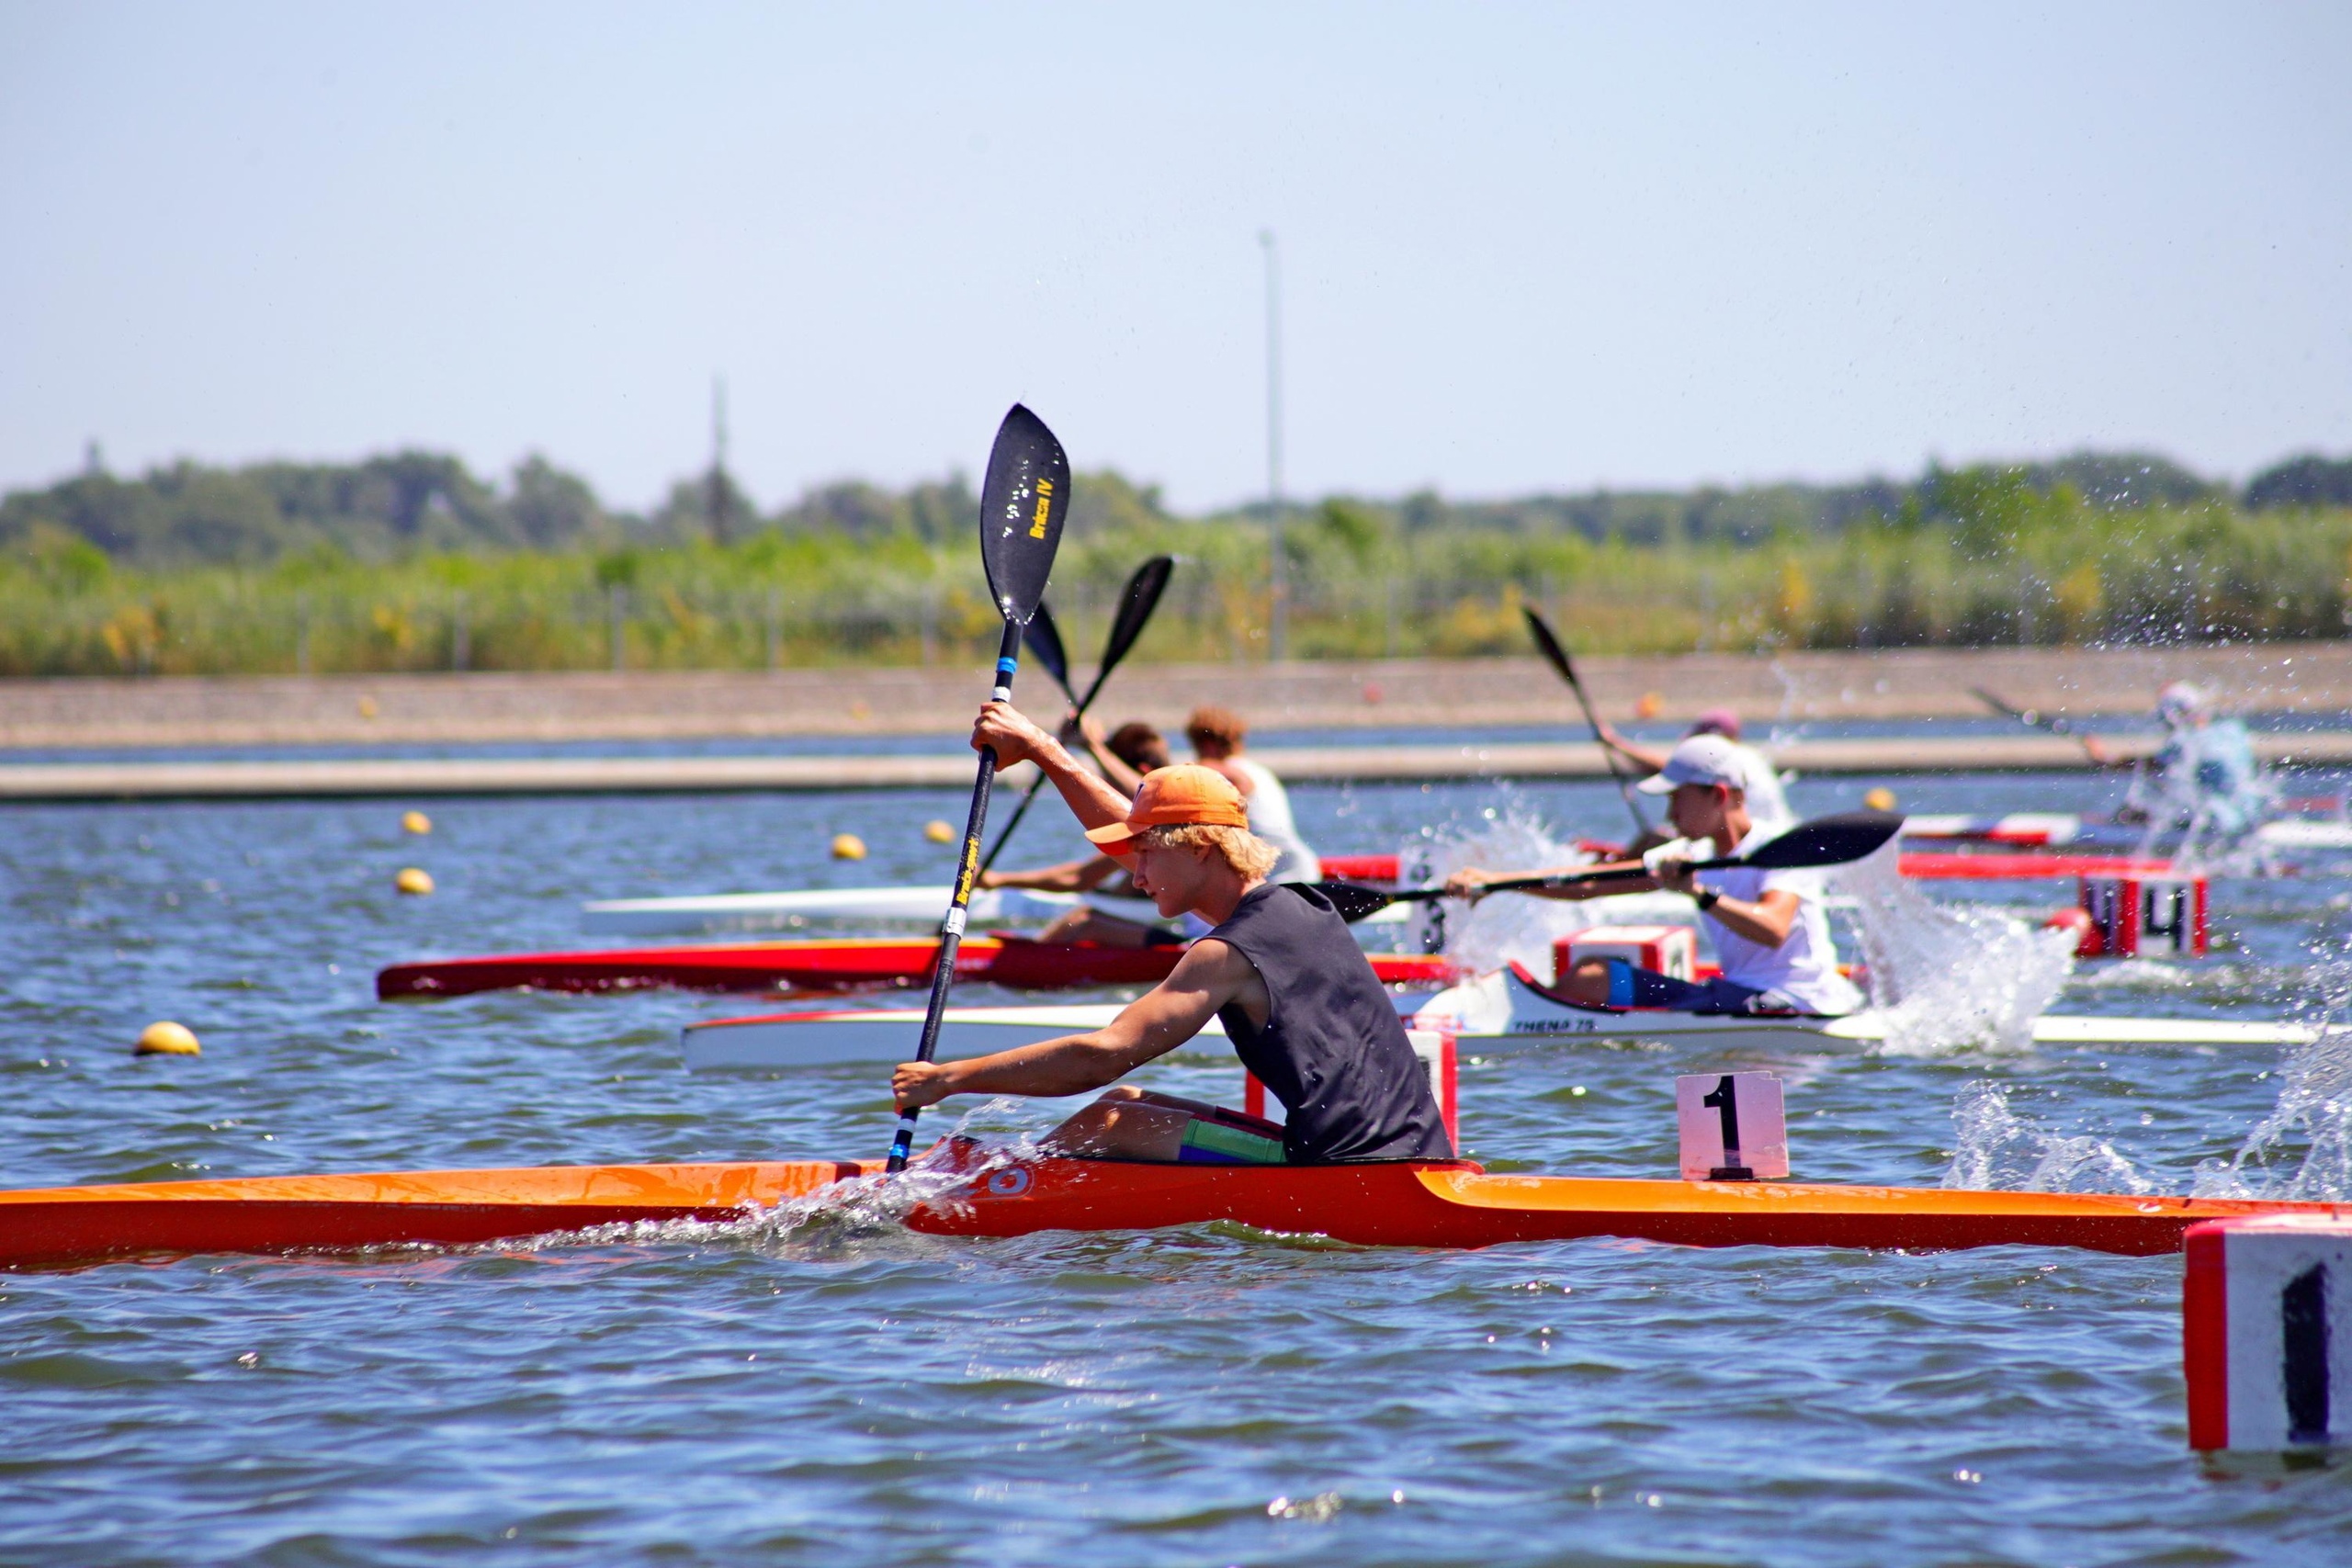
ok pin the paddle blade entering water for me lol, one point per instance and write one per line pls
(1023, 505)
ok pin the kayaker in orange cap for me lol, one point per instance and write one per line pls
(1299, 1001)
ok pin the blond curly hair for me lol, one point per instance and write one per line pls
(1249, 856)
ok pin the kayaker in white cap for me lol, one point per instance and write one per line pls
(1279, 969)
(1770, 930)
(1767, 806)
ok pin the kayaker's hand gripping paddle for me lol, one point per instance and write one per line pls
(1825, 841)
(1021, 508)
(1135, 605)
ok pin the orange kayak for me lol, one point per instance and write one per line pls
(1447, 1205)
(830, 964)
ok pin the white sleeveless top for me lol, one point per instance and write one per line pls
(1270, 820)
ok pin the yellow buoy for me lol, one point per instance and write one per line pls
(1879, 799)
(164, 1038)
(938, 832)
(415, 822)
(1649, 705)
(848, 846)
(412, 880)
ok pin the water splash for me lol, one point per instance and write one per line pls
(1946, 977)
(1507, 928)
(1996, 1150)
(2303, 1148)
(848, 1218)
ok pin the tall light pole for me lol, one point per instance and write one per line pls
(1277, 570)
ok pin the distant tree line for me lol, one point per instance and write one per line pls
(411, 562)
(385, 508)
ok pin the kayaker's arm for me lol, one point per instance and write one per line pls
(1123, 779)
(1768, 921)
(1070, 876)
(1646, 757)
(1210, 975)
(1005, 729)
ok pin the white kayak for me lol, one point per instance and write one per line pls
(917, 905)
(1510, 1004)
(2043, 829)
(2304, 833)
(831, 1037)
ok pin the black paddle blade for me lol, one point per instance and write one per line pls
(1044, 640)
(1353, 900)
(1547, 645)
(1023, 505)
(1827, 841)
(1135, 605)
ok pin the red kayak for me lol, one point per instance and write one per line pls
(1448, 1205)
(832, 965)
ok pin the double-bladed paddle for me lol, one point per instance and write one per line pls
(1825, 841)
(2031, 718)
(1022, 504)
(1549, 646)
(1135, 605)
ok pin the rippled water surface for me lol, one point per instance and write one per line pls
(763, 1393)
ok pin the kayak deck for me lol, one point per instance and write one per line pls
(827, 965)
(1452, 1204)
(1458, 1205)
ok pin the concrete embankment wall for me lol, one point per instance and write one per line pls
(2313, 678)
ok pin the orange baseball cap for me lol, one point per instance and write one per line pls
(1172, 797)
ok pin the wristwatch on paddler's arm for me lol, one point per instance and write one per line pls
(1706, 898)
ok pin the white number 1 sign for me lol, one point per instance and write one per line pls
(1733, 1127)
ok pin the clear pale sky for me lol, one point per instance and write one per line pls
(1524, 247)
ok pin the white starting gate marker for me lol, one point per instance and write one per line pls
(1733, 1127)
(2267, 1333)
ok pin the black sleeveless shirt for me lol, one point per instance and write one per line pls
(1333, 1050)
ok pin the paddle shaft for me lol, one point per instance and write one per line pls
(951, 929)
(1839, 839)
(1522, 884)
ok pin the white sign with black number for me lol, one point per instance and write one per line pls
(1733, 1127)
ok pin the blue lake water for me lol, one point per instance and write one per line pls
(763, 1394)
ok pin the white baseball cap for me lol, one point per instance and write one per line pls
(1700, 760)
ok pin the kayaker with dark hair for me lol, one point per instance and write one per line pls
(1770, 932)
(1219, 736)
(1124, 755)
(1299, 1001)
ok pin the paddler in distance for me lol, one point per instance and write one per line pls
(1296, 996)
(1770, 932)
(1219, 736)
(1126, 755)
